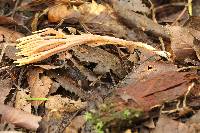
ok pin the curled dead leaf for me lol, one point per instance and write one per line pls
(19, 117)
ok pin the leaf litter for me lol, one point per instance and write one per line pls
(124, 67)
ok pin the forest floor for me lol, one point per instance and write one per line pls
(104, 66)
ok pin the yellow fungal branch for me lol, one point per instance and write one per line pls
(47, 42)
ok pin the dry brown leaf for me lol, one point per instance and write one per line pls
(95, 18)
(75, 125)
(181, 43)
(9, 35)
(6, 86)
(133, 19)
(19, 117)
(194, 122)
(173, 17)
(64, 104)
(58, 12)
(54, 87)
(39, 87)
(97, 55)
(184, 42)
(133, 5)
(9, 50)
(196, 46)
(167, 125)
(101, 19)
(42, 45)
(7, 20)
(193, 22)
(21, 101)
(68, 84)
(89, 74)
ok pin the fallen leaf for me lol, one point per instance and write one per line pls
(19, 117)
(95, 18)
(181, 43)
(76, 124)
(7, 20)
(101, 19)
(10, 50)
(193, 22)
(86, 72)
(58, 12)
(54, 87)
(194, 122)
(39, 86)
(21, 101)
(68, 84)
(64, 104)
(150, 124)
(134, 19)
(55, 121)
(166, 125)
(97, 55)
(134, 6)
(9, 35)
(171, 17)
(6, 86)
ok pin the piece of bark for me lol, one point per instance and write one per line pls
(153, 91)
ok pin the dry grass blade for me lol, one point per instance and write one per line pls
(47, 42)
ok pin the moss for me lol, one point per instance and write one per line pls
(109, 116)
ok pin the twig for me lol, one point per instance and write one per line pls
(190, 7)
(179, 16)
(189, 67)
(162, 43)
(186, 94)
(153, 11)
(171, 4)
(3, 50)
(15, 7)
